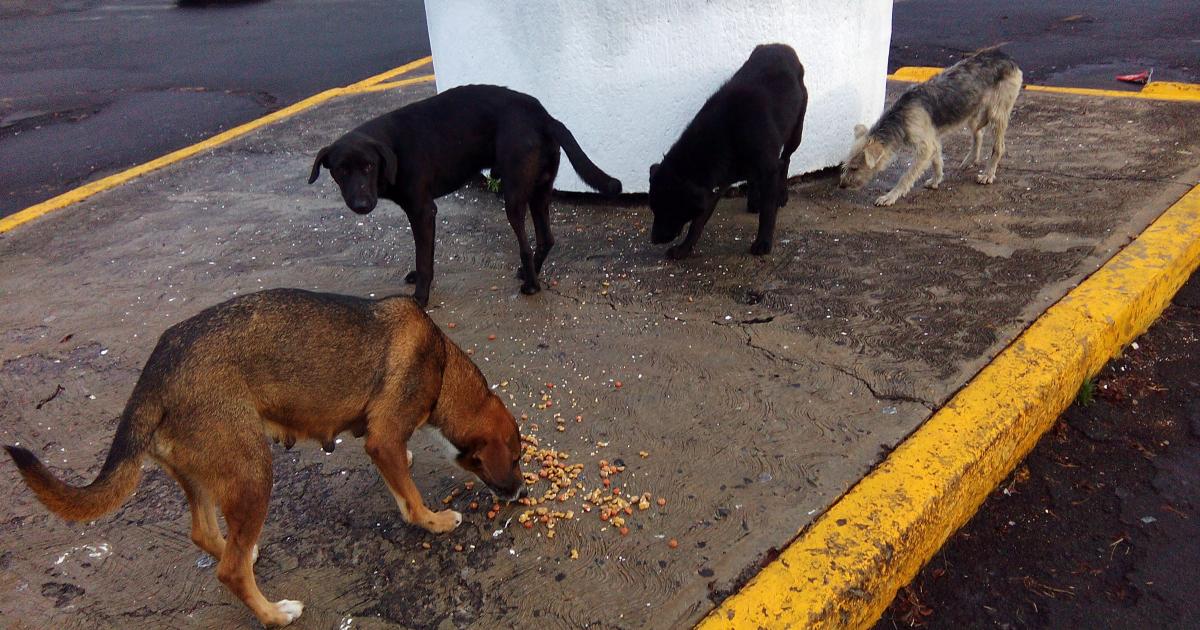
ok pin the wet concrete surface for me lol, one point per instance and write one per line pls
(91, 87)
(759, 389)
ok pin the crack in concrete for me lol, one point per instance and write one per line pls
(881, 396)
(613, 305)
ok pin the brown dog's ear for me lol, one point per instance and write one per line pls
(389, 162)
(317, 164)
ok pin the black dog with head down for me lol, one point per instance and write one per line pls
(746, 131)
(420, 152)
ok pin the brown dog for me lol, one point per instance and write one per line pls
(291, 365)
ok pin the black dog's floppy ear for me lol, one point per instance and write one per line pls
(389, 162)
(317, 164)
(653, 169)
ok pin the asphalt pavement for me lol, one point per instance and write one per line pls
(88, 88)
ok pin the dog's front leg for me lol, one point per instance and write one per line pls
(391, 458)
(423, 220)
(936, 179)
(924, 155)
(684, 249)
(764, 198)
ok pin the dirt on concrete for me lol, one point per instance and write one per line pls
(1098, 527)
(759, 389)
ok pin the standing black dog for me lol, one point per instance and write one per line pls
(747, 131)
(420, 152)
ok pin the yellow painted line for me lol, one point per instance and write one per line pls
(914, 74)
(112, 181)
(1156, 90)
(391, 85)
(844, 570)
(394, 72)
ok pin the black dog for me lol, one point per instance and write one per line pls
(425, 150)
(747, 131)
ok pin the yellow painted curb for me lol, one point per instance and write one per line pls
(1156, 90)
(914, 74)
(846, 568)
(112, 181)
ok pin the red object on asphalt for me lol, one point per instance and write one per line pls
(1142, 77)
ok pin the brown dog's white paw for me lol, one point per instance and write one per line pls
(254, 554)
(885, 200)
(932, 184)
(289, 610)
(444, 521)
(986, 178)
(409, 453)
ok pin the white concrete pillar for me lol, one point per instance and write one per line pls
(626, 77)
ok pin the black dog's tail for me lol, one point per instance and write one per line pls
(117, 477)
(591, 174)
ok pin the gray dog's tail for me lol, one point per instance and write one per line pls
(591, 174)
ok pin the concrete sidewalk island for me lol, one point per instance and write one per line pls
(748, 392)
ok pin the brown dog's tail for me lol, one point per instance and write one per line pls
(591, 174)
(117, 479)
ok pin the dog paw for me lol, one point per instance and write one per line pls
(678, 252)
(529, 288)
(409, 453)
(411, 277)
(933, 184)
(760, 248)
(985, 178)
(287, 611)
(444, 521)
(254, 554)
(885, 200)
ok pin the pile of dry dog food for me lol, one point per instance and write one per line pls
(561, 489)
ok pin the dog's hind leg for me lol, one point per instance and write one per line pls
(539, 207)
(999, 113)
(999, 126)
(975, 126)
(925, 151)
(206, 533)
(936, 179)
(243, 494)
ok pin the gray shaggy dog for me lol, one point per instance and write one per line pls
(977, 91)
